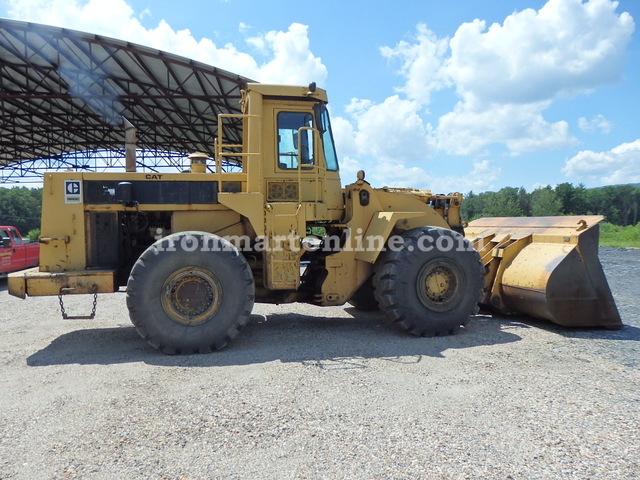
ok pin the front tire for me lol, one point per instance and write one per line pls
(431, 285)
(190, 292)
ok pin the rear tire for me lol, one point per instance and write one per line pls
(190, 292)
(431, 285)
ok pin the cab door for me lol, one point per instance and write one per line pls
(305, 168)
(6, 251)
(296, 159)
(300, 188)
(19, 257)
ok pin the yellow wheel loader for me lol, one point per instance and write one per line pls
(267, 220)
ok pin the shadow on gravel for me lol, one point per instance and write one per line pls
(627, 332)
(325, 342)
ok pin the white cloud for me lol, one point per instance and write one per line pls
(391, 131)
(422, 64)
(596, 123)
(344, 137)
(480, 178)
(508, 74)
(289, 58)
(293, 62)
(521, 128)
(618, 165)
(394, 135)
(566, 47)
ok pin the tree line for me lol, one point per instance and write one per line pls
(21, 207)
(619, 204)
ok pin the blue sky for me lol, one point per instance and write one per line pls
(451, 96)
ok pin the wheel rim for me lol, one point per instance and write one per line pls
(191, 295)
(439, 285)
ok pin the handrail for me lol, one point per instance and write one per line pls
(219, 144)
(313, 165)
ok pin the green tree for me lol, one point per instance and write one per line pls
(603, 201)
(579, 201)
(472, 206)
(566, 194)
(21, 208)
(504, 203)
(545, 202)
(619, 204)
(524, 201)
(628, 197)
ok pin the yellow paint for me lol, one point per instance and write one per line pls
(272, 201)
(35, 283)
(546, 267)
(380, 227)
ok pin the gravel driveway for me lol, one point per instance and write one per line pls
(321, 393)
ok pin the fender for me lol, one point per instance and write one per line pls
(381, 225)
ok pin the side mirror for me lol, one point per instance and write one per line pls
(6, 242)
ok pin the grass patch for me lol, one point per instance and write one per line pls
(616, 236)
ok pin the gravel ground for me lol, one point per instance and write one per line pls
(321, 393)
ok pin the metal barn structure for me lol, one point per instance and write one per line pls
(66, 96)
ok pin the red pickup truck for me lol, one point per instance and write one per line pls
(16, 253)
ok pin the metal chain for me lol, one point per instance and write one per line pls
(95, 305)
(91, 316)
(62, 310)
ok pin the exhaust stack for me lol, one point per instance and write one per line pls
(130, 140)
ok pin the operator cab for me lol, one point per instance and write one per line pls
(298, 156)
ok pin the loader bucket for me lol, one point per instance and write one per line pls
(545, 267)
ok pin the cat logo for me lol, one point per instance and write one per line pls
(72, 191)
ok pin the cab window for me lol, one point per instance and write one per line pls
(330, 157)
(4, 237)
(293, 143)
(15, 238)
